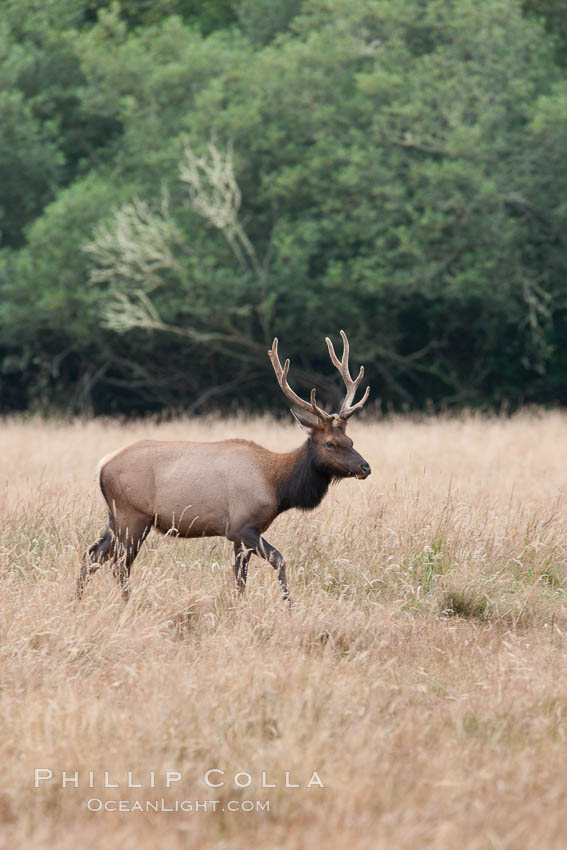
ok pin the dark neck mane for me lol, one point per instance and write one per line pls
(304, 485)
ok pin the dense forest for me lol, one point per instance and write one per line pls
(181, 181)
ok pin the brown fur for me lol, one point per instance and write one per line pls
(231, 488)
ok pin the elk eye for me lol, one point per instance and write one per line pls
(329, 444)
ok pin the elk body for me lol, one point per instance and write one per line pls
(232, 488)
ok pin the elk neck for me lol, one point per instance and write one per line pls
(300, 483)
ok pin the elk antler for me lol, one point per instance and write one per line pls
(281, 375)
(347, 407)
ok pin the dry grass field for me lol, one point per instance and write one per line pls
(421, 672)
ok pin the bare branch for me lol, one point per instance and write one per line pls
(132, 252)
(136, 246)
(213, 189)
(216, 196)
(127, 311)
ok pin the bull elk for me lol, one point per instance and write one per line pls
(233, 488)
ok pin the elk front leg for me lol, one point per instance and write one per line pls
(241, 558)
(259, 546)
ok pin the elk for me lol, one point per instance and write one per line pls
(232, 488)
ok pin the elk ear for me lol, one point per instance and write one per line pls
(304, 420)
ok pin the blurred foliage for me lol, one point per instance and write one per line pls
(400, 174)
(553, 14)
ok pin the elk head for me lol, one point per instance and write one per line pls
(333, 449)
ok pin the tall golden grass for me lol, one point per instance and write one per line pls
(421, 671)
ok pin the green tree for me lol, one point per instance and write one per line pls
(46, 139)
(262, 20)
(553, 14)
(396, 170)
